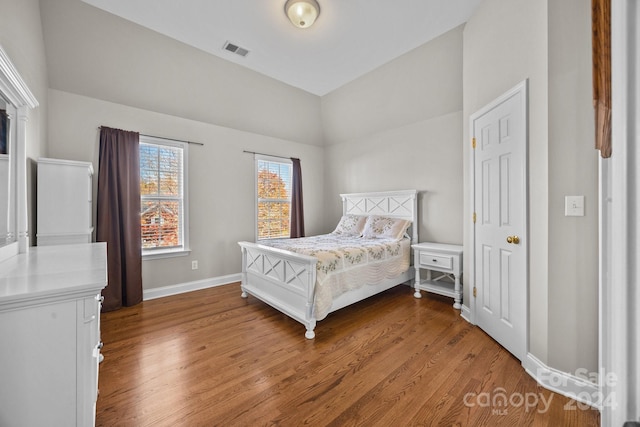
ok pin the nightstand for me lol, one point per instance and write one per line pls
(443, 258)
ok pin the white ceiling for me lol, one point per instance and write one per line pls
(349, 39)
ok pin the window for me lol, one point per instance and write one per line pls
(163, 201)
(273, 189)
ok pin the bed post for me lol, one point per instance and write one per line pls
(244, 272)
(414, 225)
(310, 308)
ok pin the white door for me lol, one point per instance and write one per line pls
(500, 207)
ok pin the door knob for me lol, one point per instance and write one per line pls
(513, 239)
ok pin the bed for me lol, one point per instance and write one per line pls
(292, 279)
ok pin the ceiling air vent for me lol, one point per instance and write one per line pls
(235, 49)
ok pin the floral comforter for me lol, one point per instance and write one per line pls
(348, 262)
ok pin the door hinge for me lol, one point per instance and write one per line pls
(474, 217)
(473, 142)
(475, 292)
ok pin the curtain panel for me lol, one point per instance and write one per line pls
(118, 216)
(601, 46)
(297, 211)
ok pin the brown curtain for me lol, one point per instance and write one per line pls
(601, 44)
(297, 212)
(118, 219)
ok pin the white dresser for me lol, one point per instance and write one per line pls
(64, 202)
(50, 335)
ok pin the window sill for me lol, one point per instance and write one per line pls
(165, 254)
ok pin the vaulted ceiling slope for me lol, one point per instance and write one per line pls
(349, 39)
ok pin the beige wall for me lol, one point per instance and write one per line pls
(548, 44)
(221, 178)
(108, 71)
(399, 127)
(94, 53)
(21, 38)
(573, 170)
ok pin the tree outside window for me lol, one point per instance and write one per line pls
(161, 194)
(274, 199)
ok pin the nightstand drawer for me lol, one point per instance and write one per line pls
(432, 260)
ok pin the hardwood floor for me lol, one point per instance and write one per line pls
(212, 358)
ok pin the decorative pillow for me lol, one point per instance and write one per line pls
(350, 225)
(379, 227)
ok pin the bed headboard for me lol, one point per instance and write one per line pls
(396, 204)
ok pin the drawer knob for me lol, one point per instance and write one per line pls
(434, 260)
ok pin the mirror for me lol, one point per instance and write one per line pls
(15, 101)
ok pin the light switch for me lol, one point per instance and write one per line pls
(574, 206)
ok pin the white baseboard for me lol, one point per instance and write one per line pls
(580, 390)
(180, 288)
(465, 313)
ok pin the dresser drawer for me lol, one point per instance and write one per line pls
(432, 260)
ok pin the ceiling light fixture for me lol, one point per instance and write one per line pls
(302, 13)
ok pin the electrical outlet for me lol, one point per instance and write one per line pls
(194, 265)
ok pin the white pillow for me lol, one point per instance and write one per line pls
(379, 227)
(350, 225)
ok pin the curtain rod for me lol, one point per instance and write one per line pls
(263, 154)
(170, 139)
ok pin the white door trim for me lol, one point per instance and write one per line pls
(619, 344)
(523, 88)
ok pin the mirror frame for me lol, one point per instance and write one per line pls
(16, 91)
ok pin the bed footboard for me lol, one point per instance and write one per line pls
(285, 280)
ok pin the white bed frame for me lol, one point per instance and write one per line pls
(286, 280)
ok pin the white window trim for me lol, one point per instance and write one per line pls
(185, 250)
(266, 158)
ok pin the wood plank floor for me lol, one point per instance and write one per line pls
(210, 358)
